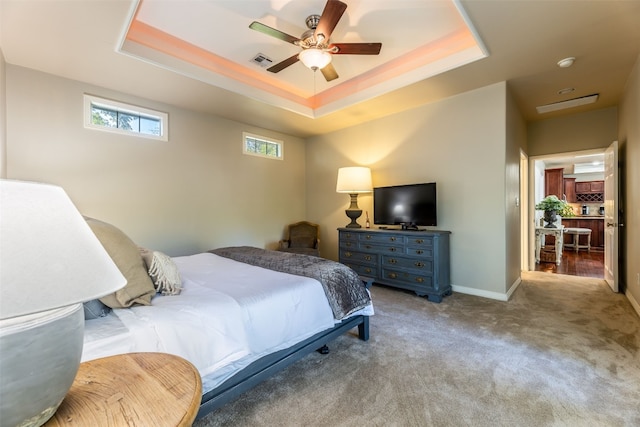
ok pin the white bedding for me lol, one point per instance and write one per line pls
(227, 315)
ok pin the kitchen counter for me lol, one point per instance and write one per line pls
(593, 222)
(584, 217)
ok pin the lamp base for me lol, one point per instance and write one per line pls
(354, 214)
(40, 358)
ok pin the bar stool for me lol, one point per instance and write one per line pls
(576, 233)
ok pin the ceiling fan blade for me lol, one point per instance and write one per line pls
(284, 64)
(331, 14)
(255, 25)
(357, 48)
(329, 72)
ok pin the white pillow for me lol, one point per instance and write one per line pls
(163, 272)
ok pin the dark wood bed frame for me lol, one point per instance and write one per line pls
(270, 364)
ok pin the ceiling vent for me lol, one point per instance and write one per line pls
(262, 60)
(589, 99)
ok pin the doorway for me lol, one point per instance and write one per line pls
(582, 168)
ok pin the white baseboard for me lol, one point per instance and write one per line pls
(480, 293)
(634, 303)
(488, 294)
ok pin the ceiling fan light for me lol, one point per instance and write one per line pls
(314, 58)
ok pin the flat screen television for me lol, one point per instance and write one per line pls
(406, 205)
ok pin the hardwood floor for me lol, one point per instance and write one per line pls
(583, 263)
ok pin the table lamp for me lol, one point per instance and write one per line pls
(354, 180)
(50, 263)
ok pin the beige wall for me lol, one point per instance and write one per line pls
(458, 143)
(193, 193)
(516, 140)
(629, 140)
(3, 118)
(576, 132)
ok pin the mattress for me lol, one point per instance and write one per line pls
(228, 315)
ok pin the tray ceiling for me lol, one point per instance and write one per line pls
(210, 40)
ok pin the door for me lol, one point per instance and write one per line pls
(611, 216)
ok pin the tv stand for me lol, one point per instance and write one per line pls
(400, 258)
(409, 227)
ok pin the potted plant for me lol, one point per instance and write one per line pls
(552, 206)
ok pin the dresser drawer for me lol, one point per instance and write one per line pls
(358, 257)
(348, 244)
(420, 242)
(415, 280)
(347, 236)
(422, 253)
(363, 270)
(380, 248)
(377, 238)
(421, 266)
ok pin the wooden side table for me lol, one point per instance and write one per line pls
(133, 389)
(541, 232)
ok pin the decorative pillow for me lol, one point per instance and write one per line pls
(94, 309)
(124, 253)
(163, 271)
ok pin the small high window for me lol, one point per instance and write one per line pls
(261, 146)
(117, 117)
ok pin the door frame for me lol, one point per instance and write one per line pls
(611, 223)
(533, 185)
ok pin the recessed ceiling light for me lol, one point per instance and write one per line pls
(590, 99)
(566, 62)
(566, 90)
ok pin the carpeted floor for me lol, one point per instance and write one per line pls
(564, 351)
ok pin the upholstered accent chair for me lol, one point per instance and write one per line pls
(302, 237)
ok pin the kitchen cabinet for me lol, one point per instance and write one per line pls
(570, 189)
(590, 191)
(554, 182)
(596, 225)
(588, 187)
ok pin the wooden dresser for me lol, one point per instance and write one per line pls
(413, 260)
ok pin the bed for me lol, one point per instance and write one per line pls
(239, 314)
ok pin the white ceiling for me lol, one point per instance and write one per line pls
(586, 163)
(524, 40)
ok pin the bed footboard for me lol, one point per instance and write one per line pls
(268, 365)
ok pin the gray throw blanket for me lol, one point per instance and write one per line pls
(343, 287)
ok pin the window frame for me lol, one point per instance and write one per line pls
(90, 101)
(279, 143)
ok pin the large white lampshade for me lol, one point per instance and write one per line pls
(50, 262)
(314, 58)
(354, 180)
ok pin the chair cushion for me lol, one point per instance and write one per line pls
(302, 242)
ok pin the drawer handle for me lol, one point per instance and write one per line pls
(392, 275)
(368, 237)
(392, 238)
(367, 270)
(419, 252)
(392, 249)
(393, 261)
(420, 241)
(368, 257)
(348, 254)
(419, 279)
(348, 244)
(367, 246)
(419, 264)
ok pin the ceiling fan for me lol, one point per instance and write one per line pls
(317, 48)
